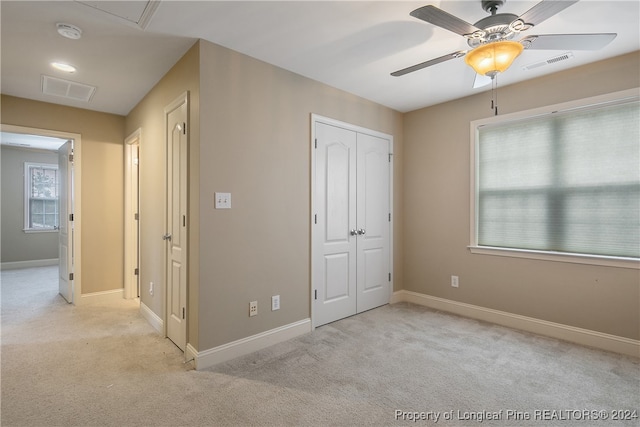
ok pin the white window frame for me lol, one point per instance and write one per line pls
(27, 197)
(611, 261)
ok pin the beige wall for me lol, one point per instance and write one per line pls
(102, 184)
(148, 116)
(16, 244)
(436, 221)
(255, 144)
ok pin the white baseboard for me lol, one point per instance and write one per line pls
(207, 358)
(29, 264)
(100, 297)
(581, 336)
(154, 320)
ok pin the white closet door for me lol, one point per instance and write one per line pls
(351, 230)
(334, 263)
(373, 222)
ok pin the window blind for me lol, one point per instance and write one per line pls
(563, 182)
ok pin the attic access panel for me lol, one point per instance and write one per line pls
(135, 12)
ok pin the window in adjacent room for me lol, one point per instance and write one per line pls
(41, 197)
(563, 182)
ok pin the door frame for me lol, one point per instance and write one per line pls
(131, 208)
(76, 202)
(316, 118)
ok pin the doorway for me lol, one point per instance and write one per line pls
(352, 219)
(70, 192)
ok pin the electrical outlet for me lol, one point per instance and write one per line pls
(454, 281)
(275, 302)
(253, 308)
(150, 288)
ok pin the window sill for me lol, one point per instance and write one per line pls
(48, 230)
(607, 261)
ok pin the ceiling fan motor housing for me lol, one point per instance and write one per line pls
(492, 6)
(493, 28)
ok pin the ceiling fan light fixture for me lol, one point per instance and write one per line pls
(493, 58)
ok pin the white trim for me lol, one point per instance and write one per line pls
(154, 320)
(573, 334)
(608, 261)
(208, 358)
(559, 257)
(77, 194)
(101, 297)
(13, 265)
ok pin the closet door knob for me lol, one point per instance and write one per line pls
(361, 231)
(353, 232)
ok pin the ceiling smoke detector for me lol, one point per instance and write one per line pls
(69, 31)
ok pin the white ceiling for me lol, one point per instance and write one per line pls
(128, 46)
(20, 140)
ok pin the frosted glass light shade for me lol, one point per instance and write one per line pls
(493, 58)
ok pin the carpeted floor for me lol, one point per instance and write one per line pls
(104, 365)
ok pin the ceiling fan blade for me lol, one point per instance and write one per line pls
(429, 63)
(442, 19)
(568, 41)
(480, 81)
(545, 10)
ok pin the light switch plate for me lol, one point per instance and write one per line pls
(223, 200)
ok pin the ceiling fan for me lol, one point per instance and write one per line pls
(493, 49)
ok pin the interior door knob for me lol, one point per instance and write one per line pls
(166, 237)
(353, 232)
(361, 231)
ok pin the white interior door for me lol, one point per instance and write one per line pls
(176, 236)
(334, 272)
(131, 218)
(373, 222)
(351, 268)
(65, 234)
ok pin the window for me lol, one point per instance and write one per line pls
(560, 182)
(41, 196)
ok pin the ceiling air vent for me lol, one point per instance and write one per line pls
(558, 58)
(67, 89)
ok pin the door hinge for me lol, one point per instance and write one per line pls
(136, 271)
(184, 220)
(390, 154)
(136, 216)
(315, 219)
(183, 314)
(315, 294)
(389, 216)
(184, 128)
(71, 158)
(389, 276)
(70, 217)
(316, 142)
(70, 276)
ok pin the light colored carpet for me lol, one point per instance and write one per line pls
(104, 365)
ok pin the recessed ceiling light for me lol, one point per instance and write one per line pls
(69, 31)
(67, 68)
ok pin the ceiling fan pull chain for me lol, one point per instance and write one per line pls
(494, 94)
